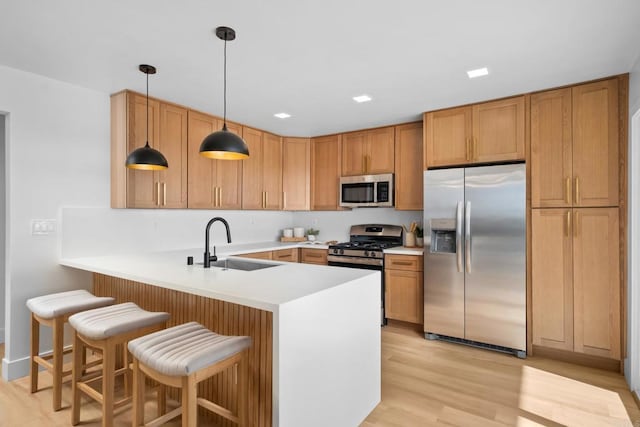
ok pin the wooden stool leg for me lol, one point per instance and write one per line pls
(162, 399)
(108, 373)
(127, 373)
(58, 348)
(76, 374)
(189, 401)
(243, 391)
(35, 350)
(138, 395)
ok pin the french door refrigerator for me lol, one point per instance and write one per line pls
(475, 261)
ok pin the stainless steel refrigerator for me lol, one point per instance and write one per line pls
(475, 261)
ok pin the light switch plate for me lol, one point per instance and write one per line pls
(43, 226)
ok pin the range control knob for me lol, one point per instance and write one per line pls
(335, 251)
(367, 253)
(341, 251)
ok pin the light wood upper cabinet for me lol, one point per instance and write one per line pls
(575, 272)
(326, 156)
(296, 174)
(574, 146)
(551, 149)
(368, 152)
(213, 184)
(262, 171)
(552, 278)
(408, 158)
(595, 144)
(167, 133)
(483, 133)
(596, 281)
(404, 288)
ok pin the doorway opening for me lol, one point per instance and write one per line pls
(3, 224)
(634, 254)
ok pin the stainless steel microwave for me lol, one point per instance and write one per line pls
(366, 191)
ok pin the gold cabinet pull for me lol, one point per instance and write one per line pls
(364, 164)
(567, 232)
(576, 223)
(577, 195)
(467, 147)
(219, 196)
(158, 193)
(266, 199)
(567, 190)
(474, 148)
(284, 199)
(164, 194)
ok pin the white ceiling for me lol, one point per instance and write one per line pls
(309, 58)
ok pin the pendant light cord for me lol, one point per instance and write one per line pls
(224, 125)
(147, 144)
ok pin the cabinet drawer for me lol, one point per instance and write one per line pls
(258, 255)
(403, 262)
(313, 256)
(289, 255)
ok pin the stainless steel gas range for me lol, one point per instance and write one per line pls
(365, 250)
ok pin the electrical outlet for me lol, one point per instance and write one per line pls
(43, 226)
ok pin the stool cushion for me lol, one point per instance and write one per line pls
(54, 305)
(184, 349)
(106, 322)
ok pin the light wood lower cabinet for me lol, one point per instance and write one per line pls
(313, 256)
(288, 255)
(403, 279)
(258, 255)
(575, 272)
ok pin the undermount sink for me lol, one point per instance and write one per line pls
(237, 264)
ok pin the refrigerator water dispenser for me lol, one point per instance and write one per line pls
(443, 235)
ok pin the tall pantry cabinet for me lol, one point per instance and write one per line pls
(575, 220)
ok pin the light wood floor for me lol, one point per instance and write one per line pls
(424, 383)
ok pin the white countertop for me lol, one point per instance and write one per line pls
(265, 289)
(403, 250)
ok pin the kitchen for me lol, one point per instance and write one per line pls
(71, 123)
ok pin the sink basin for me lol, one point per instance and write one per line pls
(244, 265)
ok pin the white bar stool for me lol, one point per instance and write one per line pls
(103, 329)
(53, 310)
(182, 357)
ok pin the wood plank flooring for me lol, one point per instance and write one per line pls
(424, 383)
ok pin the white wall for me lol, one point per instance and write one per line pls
(632, 363)
(3, 206)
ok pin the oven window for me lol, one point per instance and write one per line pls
(362, 192)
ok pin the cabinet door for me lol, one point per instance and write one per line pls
(353, 153)
(596, 281)
(252, 176)
(447, 136)
(258, 255)
(551, 170)
(173, 145)
(288, 255)
(228, 175)
(143, 187)
(272, 171)
(313, 256)
(595, 144)
(380, 152)
(408, 170)
(201, 170)
(552, 278)
(296, 174)
(326, 156)
(498, 131)
(403, 295)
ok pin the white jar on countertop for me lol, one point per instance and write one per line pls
(298, 231)
(287, 232)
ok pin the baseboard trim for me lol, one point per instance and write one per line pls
(636, 398)
(579, 359)
(14, 369)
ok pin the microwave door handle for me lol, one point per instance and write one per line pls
(467, 236)
(459, 236)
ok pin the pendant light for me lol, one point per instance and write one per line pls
(224, 145)
(147, 158)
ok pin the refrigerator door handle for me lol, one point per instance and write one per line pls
(467, 236)
(459, 236)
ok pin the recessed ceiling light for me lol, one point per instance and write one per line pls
(362, 98)
(479, 72)
(282, 115)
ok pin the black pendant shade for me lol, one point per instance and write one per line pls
(224, 145)
(146, 158)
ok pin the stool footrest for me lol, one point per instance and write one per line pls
(164, 418)
(207, 404)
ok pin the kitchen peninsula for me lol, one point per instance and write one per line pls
(315, 359)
